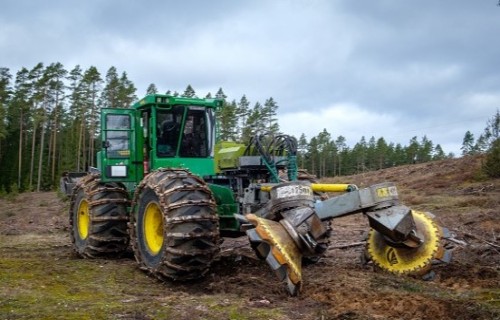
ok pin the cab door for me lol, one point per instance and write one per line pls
(119, 156)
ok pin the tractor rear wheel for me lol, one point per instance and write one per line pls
(98, 218)
(174, 226)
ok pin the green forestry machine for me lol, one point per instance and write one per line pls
(166, 187)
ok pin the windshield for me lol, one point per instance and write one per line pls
(192, 137)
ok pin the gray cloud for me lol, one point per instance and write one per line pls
(385, 68)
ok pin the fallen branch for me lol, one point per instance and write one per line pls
(349, 245)
(463, 243)
(234, 248)
(492, 244)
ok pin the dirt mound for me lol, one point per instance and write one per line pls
(34, 239)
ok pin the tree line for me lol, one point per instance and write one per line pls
(49, 123)
(488, 143)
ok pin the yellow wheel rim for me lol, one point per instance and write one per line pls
(153, 228)
(407, 260)
(83, 218)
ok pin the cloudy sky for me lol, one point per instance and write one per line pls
(391, 68)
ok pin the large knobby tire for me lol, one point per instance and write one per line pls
(98, 218)
(174, 226)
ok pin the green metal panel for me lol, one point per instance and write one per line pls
(227, 154)
(199, 166)
(119, 157)
(167, 100)
(227, 206)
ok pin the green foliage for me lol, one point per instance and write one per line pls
(485, 141)
(189, 92)
(151, 89)
(491, 165)
(13, 190)
(49, 123)
(468, 147)
(50, 119)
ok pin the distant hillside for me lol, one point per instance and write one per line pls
(448, 174)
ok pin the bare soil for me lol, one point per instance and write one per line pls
(42, 278)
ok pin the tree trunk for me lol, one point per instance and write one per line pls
(20, 152)
(80, 140)
(32, 165)
(40, 158)
(54, 148)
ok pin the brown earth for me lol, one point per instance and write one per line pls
(42, 278)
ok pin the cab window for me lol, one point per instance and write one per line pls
(117, 136)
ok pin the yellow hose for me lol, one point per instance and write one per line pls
(320, 187)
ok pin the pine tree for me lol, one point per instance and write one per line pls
(5, 94)
(75, 151)
(151, 89)
(269, 115)
(91, 83)
(242, 113)
(381, 153)
(57, 74)
(253, 124)
(227, 121)
(438, 153)
(110, 94)
(220, 94)
(371, 157)
(189, 92)
(360, 153)
(400, 156)
(425, 150)
(313, 155)
(491, 165)
(18, 113)
(412, 151)
(126, 92)
(5, 97)
(481, 145)
(468, 144)
(323, 141)
(302, 150)
(492, 130)
(342, 149)
(36, 97)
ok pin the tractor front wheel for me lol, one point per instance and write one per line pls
(174, 226)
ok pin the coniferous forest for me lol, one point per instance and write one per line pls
(49, 124)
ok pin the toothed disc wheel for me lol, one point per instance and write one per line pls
(174, 228)
(402, 259)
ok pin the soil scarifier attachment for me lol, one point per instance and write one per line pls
(401, 241)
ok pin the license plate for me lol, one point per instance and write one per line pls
(293, 191)
(387, 192)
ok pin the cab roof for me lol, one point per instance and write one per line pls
(168, 100)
